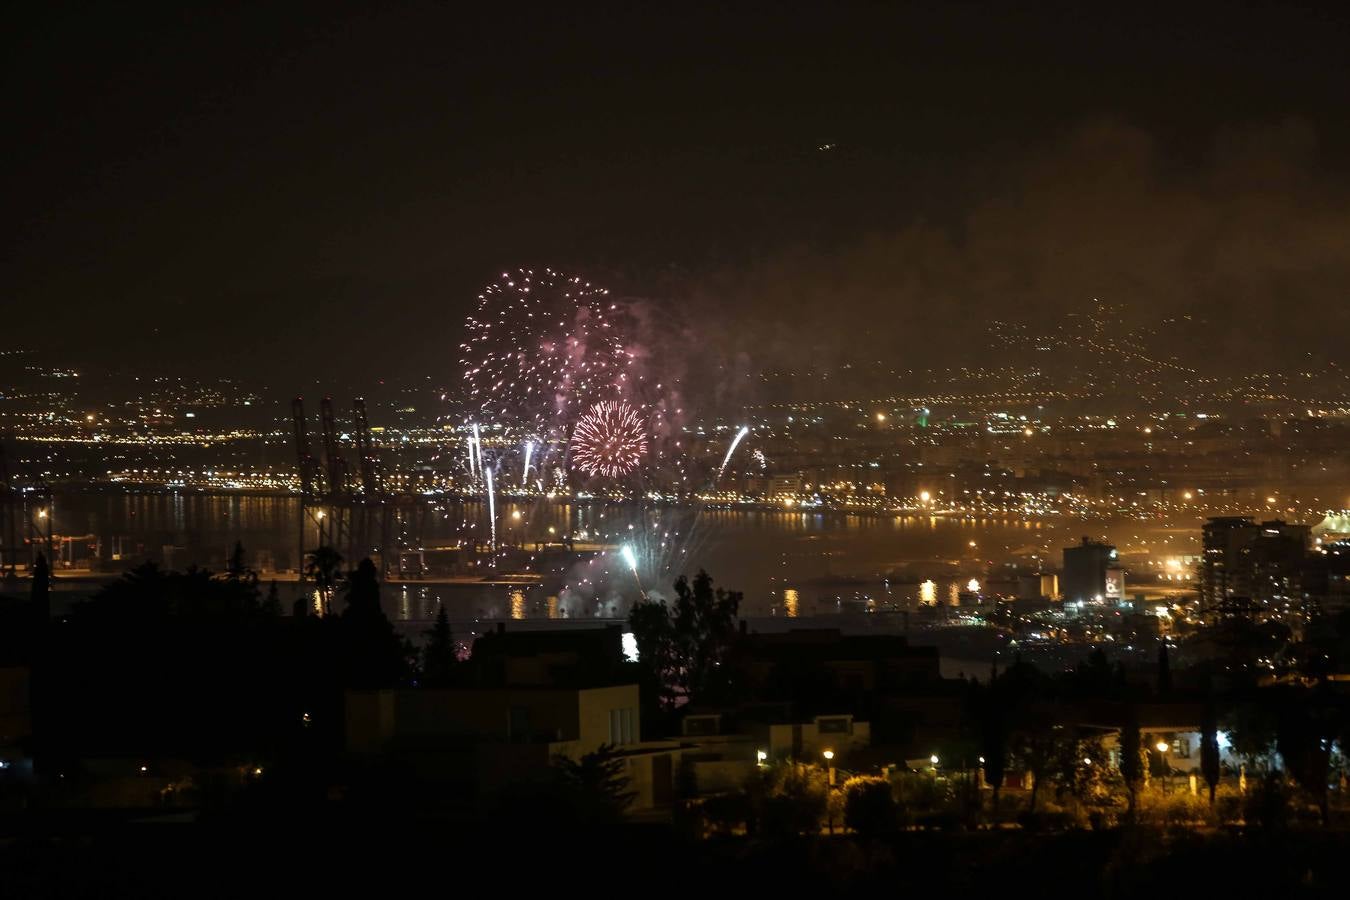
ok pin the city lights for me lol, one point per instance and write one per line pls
(592, 451)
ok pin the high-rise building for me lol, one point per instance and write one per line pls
(1221, 570)
(1326, 578)
(1085, 568)
(1256, 569)
(1276, 561)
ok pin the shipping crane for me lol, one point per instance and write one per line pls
(370, 479)
(9, 514)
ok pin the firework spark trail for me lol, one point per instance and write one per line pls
(477, 449)
(473, 469)
(525, 472)
(663, 542)
(740, 435)
(609, 440)
(492, 508)
(629, 558)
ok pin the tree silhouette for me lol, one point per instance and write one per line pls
(235, 567)
(684, 646)
(991, 707)
(272, 605)
(374, 655)
(324, 566)
(41, 593)
(184, 664)
(438, 656)
(1079, 769)
(1131, 769)
(596, 785)
(1251, 730)
(1209, 752)
(1039, 748)
(1303, 736)
(38, 649)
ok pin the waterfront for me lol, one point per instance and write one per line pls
(787, 563)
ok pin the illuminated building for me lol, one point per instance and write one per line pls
(1250, 568)
(1220, 566)
(1085, 571)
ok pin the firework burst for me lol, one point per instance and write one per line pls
(609, 440)
(540, 347)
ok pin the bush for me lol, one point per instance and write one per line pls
(919, 794)
(1172, 809)
(1269, 802)
(1228, 805)
(788, 800)
(942, 820)
(725, 813)
(869, 806)
(1047, 820)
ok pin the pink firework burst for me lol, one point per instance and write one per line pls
(609, 440)
(539, 347)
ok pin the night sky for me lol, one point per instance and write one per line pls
(279, 189)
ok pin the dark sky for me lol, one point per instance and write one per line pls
(280, 189)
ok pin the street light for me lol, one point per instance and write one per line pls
(761, 756)
(829, 761)
(934, 760)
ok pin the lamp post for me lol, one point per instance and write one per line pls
(1162, 747)
(829, 791)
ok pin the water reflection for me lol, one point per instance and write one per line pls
(834, 561)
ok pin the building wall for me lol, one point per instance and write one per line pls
(15, 724)
(579, 718)
(712, 776)
(1085, 571)
(596, 706)
(807, 741)
(651, 777)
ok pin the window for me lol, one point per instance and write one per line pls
(621, 726)
(518, 724)
(833, 725)
(702, 725)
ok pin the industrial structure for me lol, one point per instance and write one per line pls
(353, 515)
